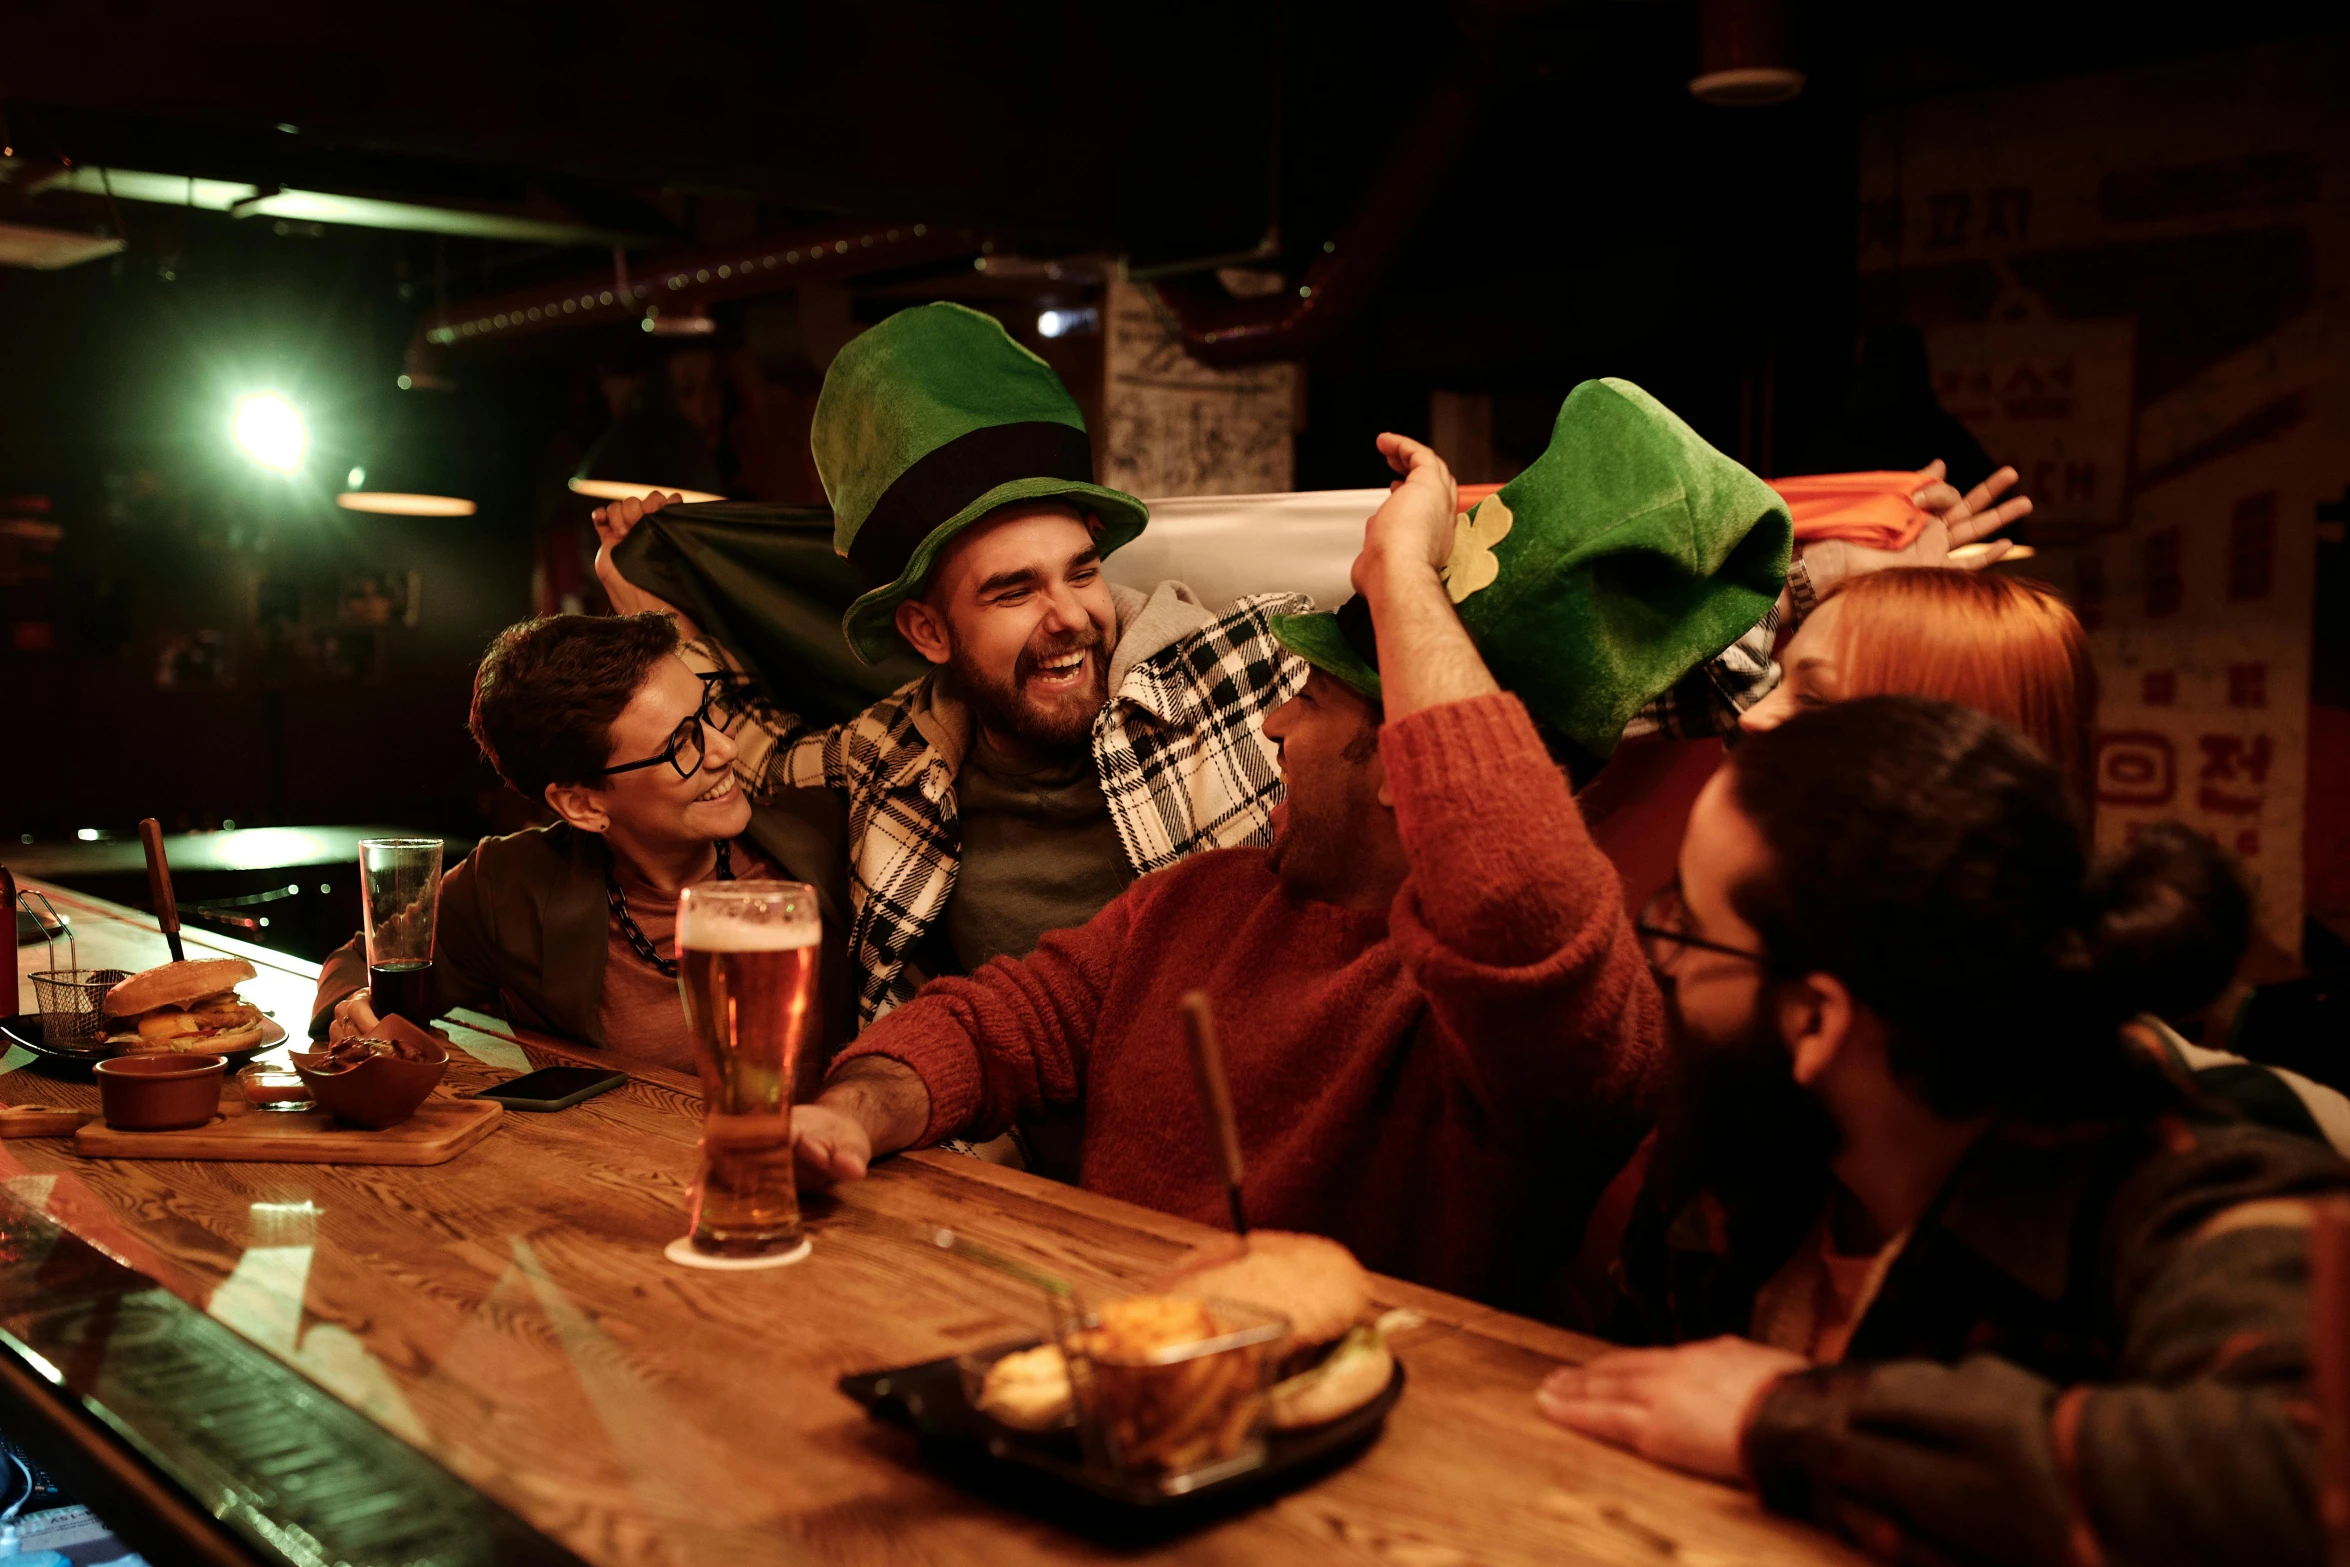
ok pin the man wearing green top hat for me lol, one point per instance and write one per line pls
(1439, 1032)
(1072, 735)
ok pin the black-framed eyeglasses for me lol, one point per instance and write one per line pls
(1664, 932)
(684, 750)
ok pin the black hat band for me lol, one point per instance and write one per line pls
(1354, 624)
(944, 481)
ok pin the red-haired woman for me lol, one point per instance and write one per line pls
(2015, 650)
(2003, 646)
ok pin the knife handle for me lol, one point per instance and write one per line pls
(8, 941)
(1215, 1093)
(167, 910)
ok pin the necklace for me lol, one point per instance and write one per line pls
(628, 925)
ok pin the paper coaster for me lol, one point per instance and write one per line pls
(681, 1251)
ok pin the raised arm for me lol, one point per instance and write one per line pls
(1512, 917)
(774, 749)
(1426, 657)
(615, 523)
(1956, 522)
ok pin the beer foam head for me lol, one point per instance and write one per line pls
(723, 924)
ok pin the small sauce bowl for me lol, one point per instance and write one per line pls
(159, 1093)
(274, 1088)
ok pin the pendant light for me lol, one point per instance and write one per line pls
(412, 460)
(651, 447)
(1742, 54)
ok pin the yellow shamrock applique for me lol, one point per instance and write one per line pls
(1472, 567)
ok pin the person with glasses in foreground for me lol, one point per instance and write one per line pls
(567, 928)
(1945, 1264)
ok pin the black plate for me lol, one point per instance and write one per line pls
(1043, 1471)
(75, 1065)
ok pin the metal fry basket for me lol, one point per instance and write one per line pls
(72, 999)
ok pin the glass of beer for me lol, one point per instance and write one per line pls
(400, 894)
(746, 967)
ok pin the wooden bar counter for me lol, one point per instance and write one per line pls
(510, 1316)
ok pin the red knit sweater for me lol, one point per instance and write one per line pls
(1443, 1086)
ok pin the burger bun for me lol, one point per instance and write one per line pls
(1356, 1372)
(1310, 1279)
(176, 984)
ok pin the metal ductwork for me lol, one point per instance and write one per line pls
(648, 289)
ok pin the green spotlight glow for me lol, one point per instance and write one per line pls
(270, 431)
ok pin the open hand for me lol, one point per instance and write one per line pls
(828, 1146)
(1975, 515)
(1413, 527)
(1687, 1406)
(613, 523)
(1956, 522)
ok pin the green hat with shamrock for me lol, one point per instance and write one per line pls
(928, 422)
(1630, 553)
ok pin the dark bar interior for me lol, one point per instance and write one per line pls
(1504, 781)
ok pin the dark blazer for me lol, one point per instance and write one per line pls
(523, 923)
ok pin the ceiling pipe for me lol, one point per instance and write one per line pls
(1220, 330)
(648, 288)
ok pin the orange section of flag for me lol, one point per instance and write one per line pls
(1468, 495)
(1870, 509)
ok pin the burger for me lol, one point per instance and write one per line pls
(1337, 1360)
(190, 1007)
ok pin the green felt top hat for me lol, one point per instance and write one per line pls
(1628, 554)
(928, 422)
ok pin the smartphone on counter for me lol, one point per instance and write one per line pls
(553, 1087)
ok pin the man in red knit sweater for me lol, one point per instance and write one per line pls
(1439, 1030)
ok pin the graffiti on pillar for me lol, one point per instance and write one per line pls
(1177, 427)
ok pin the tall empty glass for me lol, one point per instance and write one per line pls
(400, 889)
(746, 967)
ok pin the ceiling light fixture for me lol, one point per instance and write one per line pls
(1060, 323)
(651, 447)
(243, 200)
(402, 503)
(271, 431)
(1742, 55)
(621, 490)
(416, 461)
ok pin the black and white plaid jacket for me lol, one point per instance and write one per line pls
(1180, 746)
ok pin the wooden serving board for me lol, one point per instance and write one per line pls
(441, 1129)
(41, 1120)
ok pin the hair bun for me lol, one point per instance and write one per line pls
(2166, 922)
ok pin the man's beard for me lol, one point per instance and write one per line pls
(1005, 706)
(1736, 1124)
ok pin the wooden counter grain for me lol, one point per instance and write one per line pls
(510, 1314)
